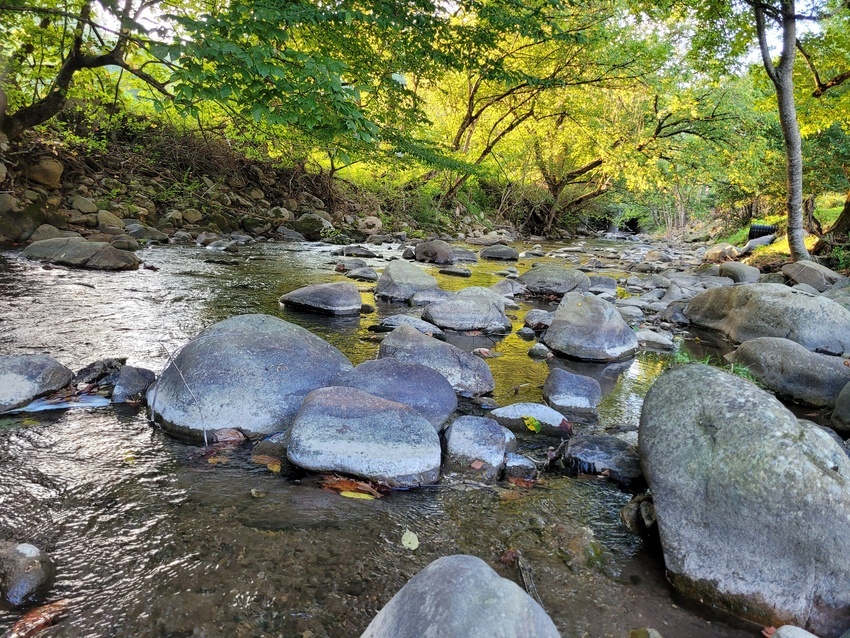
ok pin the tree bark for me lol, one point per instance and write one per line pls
(841, 227)
(783, 81)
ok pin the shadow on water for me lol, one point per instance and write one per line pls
(151, 539)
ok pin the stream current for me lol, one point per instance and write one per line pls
(152, 540)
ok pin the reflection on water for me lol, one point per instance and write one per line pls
(153, 540)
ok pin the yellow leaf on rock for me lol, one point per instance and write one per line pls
(367, 497)
(532, 424)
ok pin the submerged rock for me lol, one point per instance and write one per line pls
(24, 378)
(350, 431)
(571, 393)
(249, 372)
(461, 597)
(388, 324)
(412, 384)
(606, 455)
(26, 573)
(752, 505)
(468, 375)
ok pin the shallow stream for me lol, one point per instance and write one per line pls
(152, 540)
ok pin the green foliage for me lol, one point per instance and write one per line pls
(682, 357)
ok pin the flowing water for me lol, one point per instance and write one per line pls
(150, 539)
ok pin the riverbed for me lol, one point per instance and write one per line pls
(152, 540)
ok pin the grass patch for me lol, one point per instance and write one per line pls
(682, 357)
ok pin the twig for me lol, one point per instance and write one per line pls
(526, 577)
(171, 361)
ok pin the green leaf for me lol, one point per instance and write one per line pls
(532, 424)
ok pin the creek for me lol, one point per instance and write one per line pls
(152, 540)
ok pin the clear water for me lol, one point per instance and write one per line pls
(152, 540)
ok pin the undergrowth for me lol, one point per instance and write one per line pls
(682, 357)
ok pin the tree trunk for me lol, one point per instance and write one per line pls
(841, 227)
(783, 81)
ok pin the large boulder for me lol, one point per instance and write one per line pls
(549, 279)
(353, 432)
(813, 274)
(401, 280)
(752, 504)
(788, 369)
(48, 172)
(461, 597)
(468, 374)
(740, 273)
(416, 386)
(472, 308)
(249, 372)
(26, 573)
(24, 378)
(589, 328)
(311, 226)
(338, 298)
(435, 252)
(773, 310)
(76, 252)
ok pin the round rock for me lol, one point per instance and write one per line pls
(468, 374)
(414, 385)
(500, 253)
(249, 372)
(549, 279)
(461, 596)
(472, 308)
(586, 327)
(737, 480)
(476, 444)
(401, 280)
(26, 574)
(571, 393)
(353, 432)
(339, 298)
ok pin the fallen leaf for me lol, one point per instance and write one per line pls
(129, 457)
(38, 619)
(228, 435)
(520, 482)
(217, 460)
(334, 483)
(368, 497)
(409, 540)
(767, 632)
(258, 493)
(532, 424)
(476, 465)
(566, 426)
(274, 467)
(509, 557)
(271, 462)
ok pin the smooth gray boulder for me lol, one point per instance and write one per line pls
(472, 308)
(538, 319)
(589, 328)
(468, 374)
(788, 369)
(353, 432)
(461, 597)
(549, 279)
(752, 505)
(416, 386)
(431, 295)
(362, 274)
(26, 574)
(24, 378)
(76, 252)
(606, 455)
(571, 394)
(740, 273)
(339, 298)
(249, 372)
(388, 324)
(840, 293)
(773, 310)
(401, 280)
(813, 274)
(509, 288)
(476, 445)
(841, 414)
(434, 252)
(311, 226)
(147, 233)
(132, 384)
(499, 252)
(519, 466)
(532, 418)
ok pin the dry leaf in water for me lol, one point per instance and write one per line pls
(36, 620)
(409, 540)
